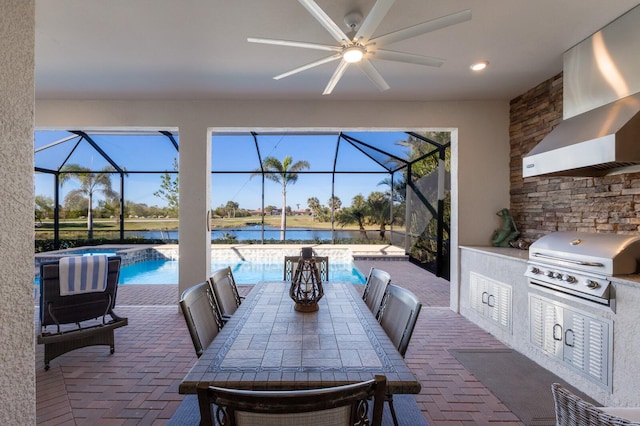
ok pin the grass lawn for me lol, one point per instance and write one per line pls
(149, 224)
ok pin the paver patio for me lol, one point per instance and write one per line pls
(138, 384)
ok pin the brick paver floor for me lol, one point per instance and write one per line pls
(138, 384)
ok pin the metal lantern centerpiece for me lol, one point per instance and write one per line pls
(306, 285)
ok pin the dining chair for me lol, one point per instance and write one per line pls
(291, 264)
(201, 314)
(571, 410)
(398, 314)
(346, 405)
(374, 288)
(226, 292)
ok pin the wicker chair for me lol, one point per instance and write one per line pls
(226, 292)
(200, 311)
(571, 410)
(374, 289)
(346, 405)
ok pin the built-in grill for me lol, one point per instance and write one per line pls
(582, 264)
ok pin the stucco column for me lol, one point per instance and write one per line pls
(194, 181)
(17, 354)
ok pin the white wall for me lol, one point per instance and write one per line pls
(17, 353)
(480, 180)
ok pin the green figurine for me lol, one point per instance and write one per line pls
(507, 233)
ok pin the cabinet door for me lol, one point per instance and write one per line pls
(586, 345)
(478, 292)
(546, 330)
(491, 299)
(499, 304)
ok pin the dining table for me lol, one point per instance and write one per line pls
(268, 345)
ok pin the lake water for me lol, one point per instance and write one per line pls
(255, 233)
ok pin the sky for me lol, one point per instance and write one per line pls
(154, 152)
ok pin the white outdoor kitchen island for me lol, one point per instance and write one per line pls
(594, 347)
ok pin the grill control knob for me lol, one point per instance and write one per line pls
(569, 278)
(592, 284)
(550, 274)
(535, 270)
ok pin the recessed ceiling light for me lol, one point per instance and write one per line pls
(479, 66)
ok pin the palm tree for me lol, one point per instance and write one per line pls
(284, 173)
(90, 183)
(378, 206)
(356, 213)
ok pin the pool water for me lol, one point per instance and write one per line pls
(91, 252)
(244, 272)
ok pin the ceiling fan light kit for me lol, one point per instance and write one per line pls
(359, 46)
(353, 53)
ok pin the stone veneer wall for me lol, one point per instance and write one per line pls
(541, 205)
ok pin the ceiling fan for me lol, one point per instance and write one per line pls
(357, 46)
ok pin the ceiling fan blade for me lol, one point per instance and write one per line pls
(336, 77)
(295, 44)
(309, 65)
(425, 27)
(373, 75)
(324, 20)
(373, 19)
(409, 58)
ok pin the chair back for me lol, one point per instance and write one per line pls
(201, 315)
(398, 315)
(291, 264)
(225, 291)
(346, 405)
(374, 289)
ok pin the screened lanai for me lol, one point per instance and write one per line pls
(348, 187)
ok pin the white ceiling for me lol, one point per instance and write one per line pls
(198, 49)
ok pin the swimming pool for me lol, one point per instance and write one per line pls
(245, 272)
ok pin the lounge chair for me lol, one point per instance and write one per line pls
(72, 316)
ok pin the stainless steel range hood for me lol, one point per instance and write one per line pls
(600, 134)
(603, 141)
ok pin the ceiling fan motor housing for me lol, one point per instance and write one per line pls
(353, 20)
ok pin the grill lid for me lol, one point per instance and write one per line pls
(605, 254)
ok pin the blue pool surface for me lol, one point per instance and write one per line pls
(104, 253)
(93, 252)
(245, 272)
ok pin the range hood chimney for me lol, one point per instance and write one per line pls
(600, 133)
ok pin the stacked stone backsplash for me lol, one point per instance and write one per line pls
(541, 205)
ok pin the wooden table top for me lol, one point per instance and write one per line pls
(268, 345)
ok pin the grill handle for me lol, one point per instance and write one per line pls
(561, 259)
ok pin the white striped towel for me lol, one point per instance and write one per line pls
(83, 274)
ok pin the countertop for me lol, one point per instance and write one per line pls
(507, 252)
(523, 255)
